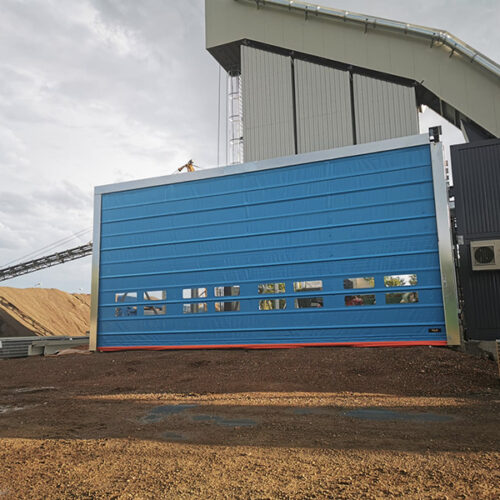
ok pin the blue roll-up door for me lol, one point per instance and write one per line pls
(340, 251)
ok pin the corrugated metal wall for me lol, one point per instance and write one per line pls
(228, 257)
(383, 110)
(323, 104)
(268, 122)
(476, 177)
(324, 100)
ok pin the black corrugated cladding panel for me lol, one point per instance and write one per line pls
(476, 177)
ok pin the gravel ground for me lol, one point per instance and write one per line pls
(298, 423)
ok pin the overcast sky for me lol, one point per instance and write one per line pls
(99, 91)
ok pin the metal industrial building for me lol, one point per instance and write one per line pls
(317, 78)
(336, 229)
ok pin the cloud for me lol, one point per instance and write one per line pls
(63, 196)
(9, 240)
(14, 204)
(11, 148)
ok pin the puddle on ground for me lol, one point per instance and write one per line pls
(310, 411)
(173, 436)
(382, 414)
(24, 390)
(159, 413)
(241, 422)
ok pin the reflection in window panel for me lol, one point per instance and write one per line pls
(227, 306)
(401, 298)
(194, 293)
(271, 304)
(227, 291)
(126, 311)
(272, 288)
(400, 280)
(367, 282)
(155, 295)
(126, 297)
(359, 300)
(307, 286)
(195, 307)
(154, 310)
(309, 302)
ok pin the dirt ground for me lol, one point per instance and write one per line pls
(300, 423)
(43, 312)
